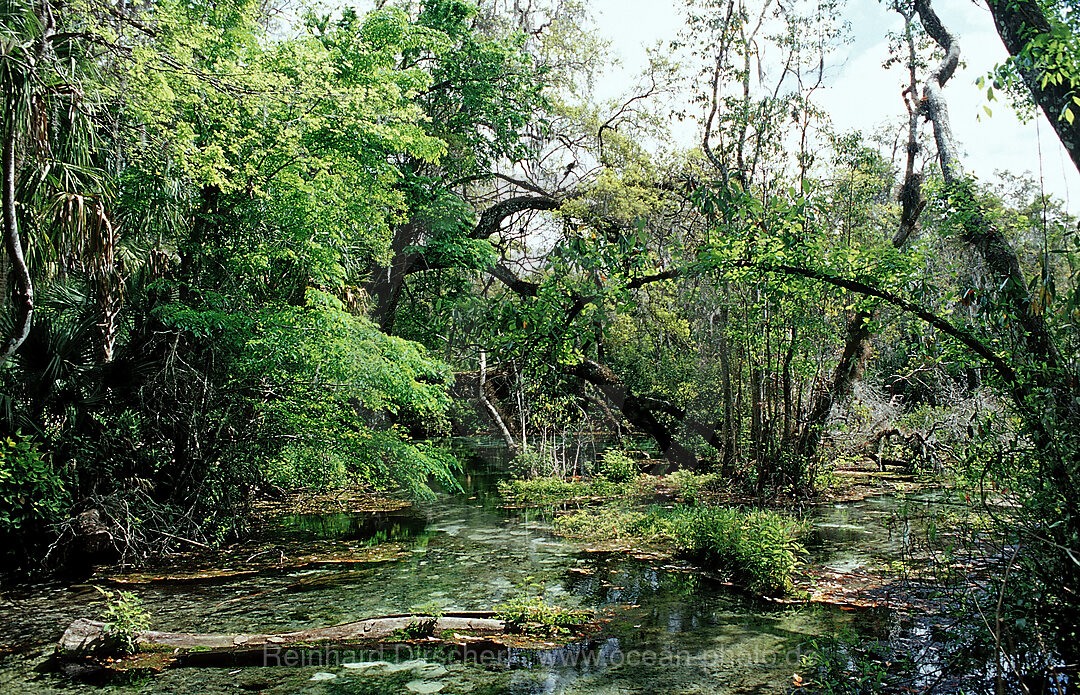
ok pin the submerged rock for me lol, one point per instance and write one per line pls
(365, 664)
(425, 686)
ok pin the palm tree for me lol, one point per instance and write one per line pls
(51, 190)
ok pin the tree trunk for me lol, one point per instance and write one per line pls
(728, 416)
(857, 347)
(638, 410)
(22, 300)
(89, 637)
(1021, 23)
(978, 231)
(387, 281)
(496, 417)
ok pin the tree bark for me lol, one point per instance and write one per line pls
(639, 411)
(387, 281)
(22, 300)
(1021, 23)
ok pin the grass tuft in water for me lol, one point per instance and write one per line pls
(757, 548)
(529, 612)
(558, 490)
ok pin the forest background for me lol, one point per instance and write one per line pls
(251, 248)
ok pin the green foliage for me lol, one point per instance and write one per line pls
(697, 488)
(846, 664)
(531, 462)
(616, 466)
(529, 612)
(124, 617)
(329, 394)
(759, 548)
(32, 494)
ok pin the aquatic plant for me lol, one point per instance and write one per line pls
(418, 628)
(124, 617)
(557, 490)
(845, 664)
(529, 612)
(757, 548)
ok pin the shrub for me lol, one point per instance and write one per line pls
(32, 495)
(616, 466)
(310, 467)
(124, 618)
(607, 523)
(531, 462)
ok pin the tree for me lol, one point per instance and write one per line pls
(1043, 40)
(252, 181)
(484, 95)
(46, 168)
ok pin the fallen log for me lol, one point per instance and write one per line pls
(85, 637)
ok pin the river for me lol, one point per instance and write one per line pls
(666, 628)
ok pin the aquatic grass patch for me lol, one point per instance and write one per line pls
(615, 478)
(558, 490)
(605, 523)
(757, 548)
(529, 612)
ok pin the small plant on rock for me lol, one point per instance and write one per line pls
(124, 617)
(529, 612)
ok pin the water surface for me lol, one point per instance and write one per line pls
(667, 628)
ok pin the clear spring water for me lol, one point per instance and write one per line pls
(668, 629)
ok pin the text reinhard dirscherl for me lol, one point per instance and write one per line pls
(602, 656)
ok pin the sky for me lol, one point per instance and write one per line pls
(861, 95)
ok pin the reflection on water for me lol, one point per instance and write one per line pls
(667, 629)
(367, 528)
